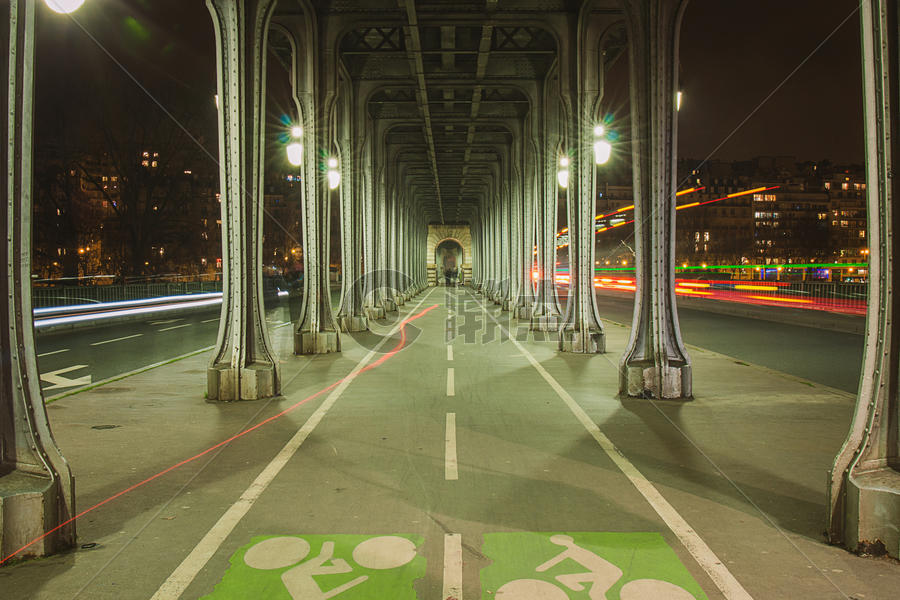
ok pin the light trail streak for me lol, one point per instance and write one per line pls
(167, 470)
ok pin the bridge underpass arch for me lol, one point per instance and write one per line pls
(408, 213)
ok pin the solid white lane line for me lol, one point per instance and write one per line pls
(450, 386)
(54, 352)
(449, 352)
(452, 566)
(451, 469)
(184, 574)
(173, 327)
(703, 554)
(210, 320)
(127, 337)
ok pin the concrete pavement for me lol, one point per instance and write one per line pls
(541, 444)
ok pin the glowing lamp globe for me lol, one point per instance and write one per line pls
(295, 154)
(64, 7)
(602, 151)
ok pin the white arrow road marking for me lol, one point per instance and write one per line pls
(58, 381)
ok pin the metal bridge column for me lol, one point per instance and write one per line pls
(318, 331)
(37, 491)
(243, 365)
(579, 76)
(546, 316)
(655, 361)
(864, 490)
(350, 316)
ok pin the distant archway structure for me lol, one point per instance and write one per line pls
(460, 234)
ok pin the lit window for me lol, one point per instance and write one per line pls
(105, 178)
(145, 163)
(845, 223)
(154, 164)
(146, 155)
(827, 185)
(862, 233)
(845, 186)
(705, 236)
(696, 236)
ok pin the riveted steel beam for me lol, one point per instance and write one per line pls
(37, 490)
(655, 362)
(864, 487)
(243, 365)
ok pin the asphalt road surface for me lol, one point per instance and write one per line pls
(74, 359)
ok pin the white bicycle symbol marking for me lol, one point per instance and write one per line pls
(381, 553)
(601, 576)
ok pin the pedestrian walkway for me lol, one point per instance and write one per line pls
(443, 458)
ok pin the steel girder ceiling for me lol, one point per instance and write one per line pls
(449, 76)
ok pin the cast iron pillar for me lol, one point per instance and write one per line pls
(243, 365)
(581, 332)
(318, 332)
(655, 361)
(37, 490)
(350, 316)
(864, 490)
(546, 315)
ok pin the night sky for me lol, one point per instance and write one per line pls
(733, 55)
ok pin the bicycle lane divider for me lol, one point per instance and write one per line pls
(187, 571)
(690, 539)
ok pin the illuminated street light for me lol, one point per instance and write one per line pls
(64, 7)
(678, 101)
(295, 149)
(602, 148)
(562, 176)
(334, 176)
(295, 154)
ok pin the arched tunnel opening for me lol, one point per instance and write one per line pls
(448, 256)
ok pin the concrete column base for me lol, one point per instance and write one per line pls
(508, 305)
(523, 313)
(28, 509)
(640, 381)
(545, 323)
(593, 342)
(374, 312)
(357, 323)
(225, 383)
(316, 342)
(390, 306)
(872, 512)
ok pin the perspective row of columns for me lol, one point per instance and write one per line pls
(864, 493)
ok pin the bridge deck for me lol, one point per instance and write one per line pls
(724, 494)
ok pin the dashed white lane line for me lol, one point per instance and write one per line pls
(451, 469)
(196, 560)
(451, 391)
(173, 327)
(449, 352)
(127, 337)
(703, 554)
(452, 566)
(54, 352)
(210, 320)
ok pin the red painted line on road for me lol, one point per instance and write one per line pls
(375, 364)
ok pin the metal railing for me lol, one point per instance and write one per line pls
(47, 296)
